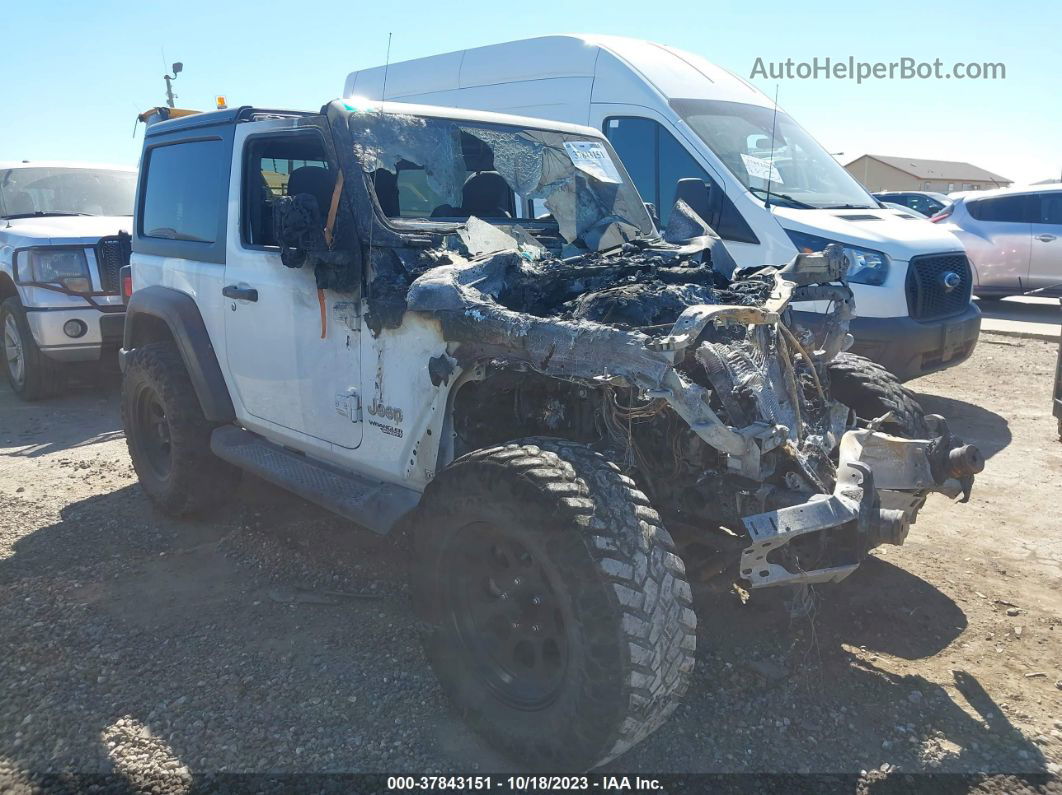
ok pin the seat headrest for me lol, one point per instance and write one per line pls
(486, 193)
(314, 180)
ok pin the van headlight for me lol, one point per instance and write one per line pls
(865, 265)
(64, 266)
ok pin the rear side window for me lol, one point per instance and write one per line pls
(1022, 209)
(183, 188)
(656, 162)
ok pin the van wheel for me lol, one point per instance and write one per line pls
(168, 436)
(31, 374)
(561, 619)
(872, 391)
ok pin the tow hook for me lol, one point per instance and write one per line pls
(950, 458)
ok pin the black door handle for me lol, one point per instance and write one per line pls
(240, 293)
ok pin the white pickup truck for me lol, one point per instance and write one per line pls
(63, 239)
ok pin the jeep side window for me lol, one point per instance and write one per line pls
(656, 162)
(182, 200)
(276, 166)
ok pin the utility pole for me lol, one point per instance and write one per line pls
(177, 69)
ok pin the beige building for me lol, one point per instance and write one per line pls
(878, 172)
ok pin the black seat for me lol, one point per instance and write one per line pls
(316, 181)
(487, 195)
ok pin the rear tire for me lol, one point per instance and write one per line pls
(31, 374)
(872, 391)
(561, 619)
(168, 436)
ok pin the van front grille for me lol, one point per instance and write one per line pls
(938, 285)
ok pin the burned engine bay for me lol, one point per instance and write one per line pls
(580, 322)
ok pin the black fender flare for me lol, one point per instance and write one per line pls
(180, 313)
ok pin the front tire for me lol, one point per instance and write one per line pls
(872, 391)
(168, 436)
(31, 374)
(561, 619)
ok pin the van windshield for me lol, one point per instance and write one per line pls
(797, 170)
(29, 191)
(547, 182)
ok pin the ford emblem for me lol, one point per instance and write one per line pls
(949, 280)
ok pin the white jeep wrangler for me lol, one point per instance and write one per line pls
(63, 239)
(466, 324)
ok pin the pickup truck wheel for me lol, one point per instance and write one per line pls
(31, 374)
(168, 436)
(871, 391)
(561, 619)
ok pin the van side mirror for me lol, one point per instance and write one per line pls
(697, 195)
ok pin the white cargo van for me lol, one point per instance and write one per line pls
(672, 115)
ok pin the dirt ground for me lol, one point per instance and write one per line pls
(273, 637)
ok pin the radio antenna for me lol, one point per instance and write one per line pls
(770, 163)
(387, 66)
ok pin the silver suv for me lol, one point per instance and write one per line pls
(1013, 238)
(63, 239)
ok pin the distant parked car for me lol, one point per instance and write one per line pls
(925, 203)
(906, 212)
(63, 240)
(1013, 238)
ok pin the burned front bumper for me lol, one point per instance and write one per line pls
(882, 481)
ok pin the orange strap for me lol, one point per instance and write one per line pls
(324, 315)
(333, 210)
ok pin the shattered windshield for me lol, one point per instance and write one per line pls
(547, 182)
(66, 191)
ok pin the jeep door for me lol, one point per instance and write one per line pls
(293, 352)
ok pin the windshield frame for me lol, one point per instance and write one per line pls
(63, 171)
(643, 224)
(855, 197)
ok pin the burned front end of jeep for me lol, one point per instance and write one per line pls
(565, 314)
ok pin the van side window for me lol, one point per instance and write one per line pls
(656, 162)
(276, 166)
(182, 197)
(1022, 209)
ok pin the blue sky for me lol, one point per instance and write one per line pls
(73, 75)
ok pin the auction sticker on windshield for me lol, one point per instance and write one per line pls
(592, 158)
(760, 168)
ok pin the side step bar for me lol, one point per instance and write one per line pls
(377, 506)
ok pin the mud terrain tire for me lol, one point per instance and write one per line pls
(552, 520)
(168, 436)
(31, 374)
(871, 391)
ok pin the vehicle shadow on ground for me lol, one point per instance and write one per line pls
(973, 424)
(273, 638)
(86, 413)
(819, 694)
